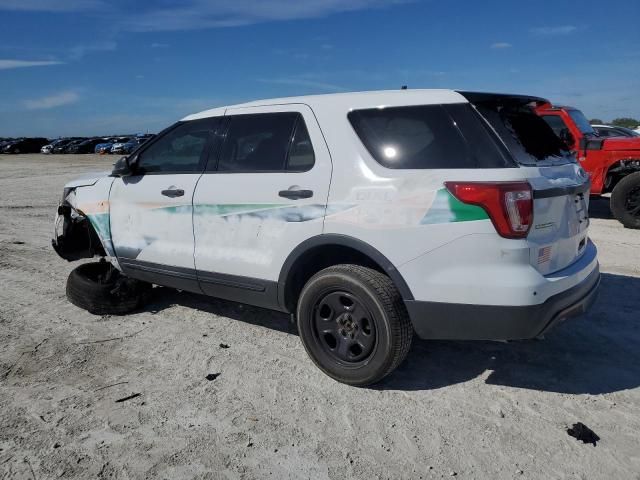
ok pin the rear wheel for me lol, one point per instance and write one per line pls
(354, 324)
(625, 201)
(102, 290)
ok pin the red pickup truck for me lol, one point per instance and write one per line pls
(613, 163)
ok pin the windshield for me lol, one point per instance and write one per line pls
(581, 121)
(527, 136)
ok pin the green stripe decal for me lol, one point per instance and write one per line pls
(101, 224)
(233, 208)
(447, 209)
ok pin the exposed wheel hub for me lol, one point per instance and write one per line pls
(344, 327)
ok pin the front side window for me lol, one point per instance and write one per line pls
(427, 136)
(259, 143)
(180, 150)
(301, 156)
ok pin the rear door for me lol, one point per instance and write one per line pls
(151, 211)
(558, 236)
(265, 194)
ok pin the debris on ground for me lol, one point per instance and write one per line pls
(224, 345)
(212, 376)
(135, 395)
(581, 432)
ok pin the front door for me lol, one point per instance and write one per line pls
(265, 194)
(151, 211)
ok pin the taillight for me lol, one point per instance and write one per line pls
(508, 204)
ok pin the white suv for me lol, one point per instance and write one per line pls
(368, 216)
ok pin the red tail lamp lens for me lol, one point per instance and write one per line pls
(508, 204)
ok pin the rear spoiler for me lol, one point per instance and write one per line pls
(503, 98)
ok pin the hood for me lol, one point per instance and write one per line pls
(621, 143)
(87, 180)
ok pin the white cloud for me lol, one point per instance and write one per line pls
(51, 5)
(80, 51)
(52, 101)
(9, 64)
(501, 45)
(198, 14)
(555, 30)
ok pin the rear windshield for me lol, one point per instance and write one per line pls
(581, 121)
(428, 136)
(527, 136)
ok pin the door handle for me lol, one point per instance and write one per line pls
(173, 192)
(295, 194)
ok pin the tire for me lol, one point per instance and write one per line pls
(16, 151)
(353, 324)
(102, 290)
(625, 201)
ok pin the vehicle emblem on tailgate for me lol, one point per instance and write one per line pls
(540, 226)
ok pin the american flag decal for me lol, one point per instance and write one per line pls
(544, 255)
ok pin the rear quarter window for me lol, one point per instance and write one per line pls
(428, 137)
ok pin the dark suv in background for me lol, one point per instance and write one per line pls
(25, 145)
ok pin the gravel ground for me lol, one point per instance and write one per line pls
(465, 409)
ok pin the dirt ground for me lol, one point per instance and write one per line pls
(470, 410)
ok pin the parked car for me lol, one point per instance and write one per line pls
(131, 145)
(118, 146)
(613, 163)
(613, 131)
(4, 142)
(56, 143)
(66, 148)
(25, 145)
(105, 147)
(366, 216)
(86, 146)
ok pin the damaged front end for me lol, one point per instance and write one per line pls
(74, 236)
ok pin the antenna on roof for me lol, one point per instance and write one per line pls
(403, 87)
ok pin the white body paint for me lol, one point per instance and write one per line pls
(441, 261)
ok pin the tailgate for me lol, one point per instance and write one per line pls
(558, 236)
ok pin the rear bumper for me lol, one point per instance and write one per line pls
(454, 321)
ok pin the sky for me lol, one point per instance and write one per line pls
(102, 67)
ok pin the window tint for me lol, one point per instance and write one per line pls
(527, 136)
(181, 149)
(301, 156)
(556, 123)
(257, 143)
(425, 137)
(483, 146)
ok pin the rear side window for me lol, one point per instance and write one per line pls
(268, 142)
(429, 136)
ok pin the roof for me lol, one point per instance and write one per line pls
(349, 100)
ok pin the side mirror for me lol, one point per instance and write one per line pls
(122, 168)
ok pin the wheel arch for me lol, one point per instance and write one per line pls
(322, 251)
(618, 170)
